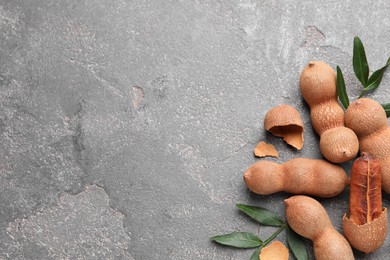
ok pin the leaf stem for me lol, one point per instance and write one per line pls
(256, 254)
(274, 234)
(363, 93)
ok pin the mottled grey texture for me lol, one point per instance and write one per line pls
(126, 126)
(82, 226)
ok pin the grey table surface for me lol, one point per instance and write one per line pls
(126, 126)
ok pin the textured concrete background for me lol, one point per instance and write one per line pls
(126, 126)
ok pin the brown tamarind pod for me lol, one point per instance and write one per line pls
(308, 218)
(367, 118)
(318, 87)
(366, 227)
(298, 176)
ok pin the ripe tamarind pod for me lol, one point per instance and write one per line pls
(318, 87)
(366, 228)
(368, 120)
(308, 218)
(298, 176)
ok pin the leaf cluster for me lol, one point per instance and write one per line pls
(250, 240)
(362, 71)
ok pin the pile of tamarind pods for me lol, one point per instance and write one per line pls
(342, 134)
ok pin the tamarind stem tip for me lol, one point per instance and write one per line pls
(247, 175)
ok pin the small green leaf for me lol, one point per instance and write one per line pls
(238, 239)
(296, 244)
(375, 79)
(262, 215)
(386, 107)
(340, 87)
(256, 254)
(360, 65)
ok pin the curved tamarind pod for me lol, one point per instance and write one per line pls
(318, 87)
(368, 120)
(308, 218)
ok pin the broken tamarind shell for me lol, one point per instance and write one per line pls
(285, 121)
(263, 149)
(366, 227)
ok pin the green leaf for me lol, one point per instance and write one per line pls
(238, 239)
(256, 254)
(262, 215)
(340, 87)
(375, 79)
(296, 244)
(360, 65)
(386, 107)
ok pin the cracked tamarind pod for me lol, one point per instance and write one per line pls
(366, 227)
(318, 87)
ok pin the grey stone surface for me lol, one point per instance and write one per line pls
(81, 226)
(126, 126)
